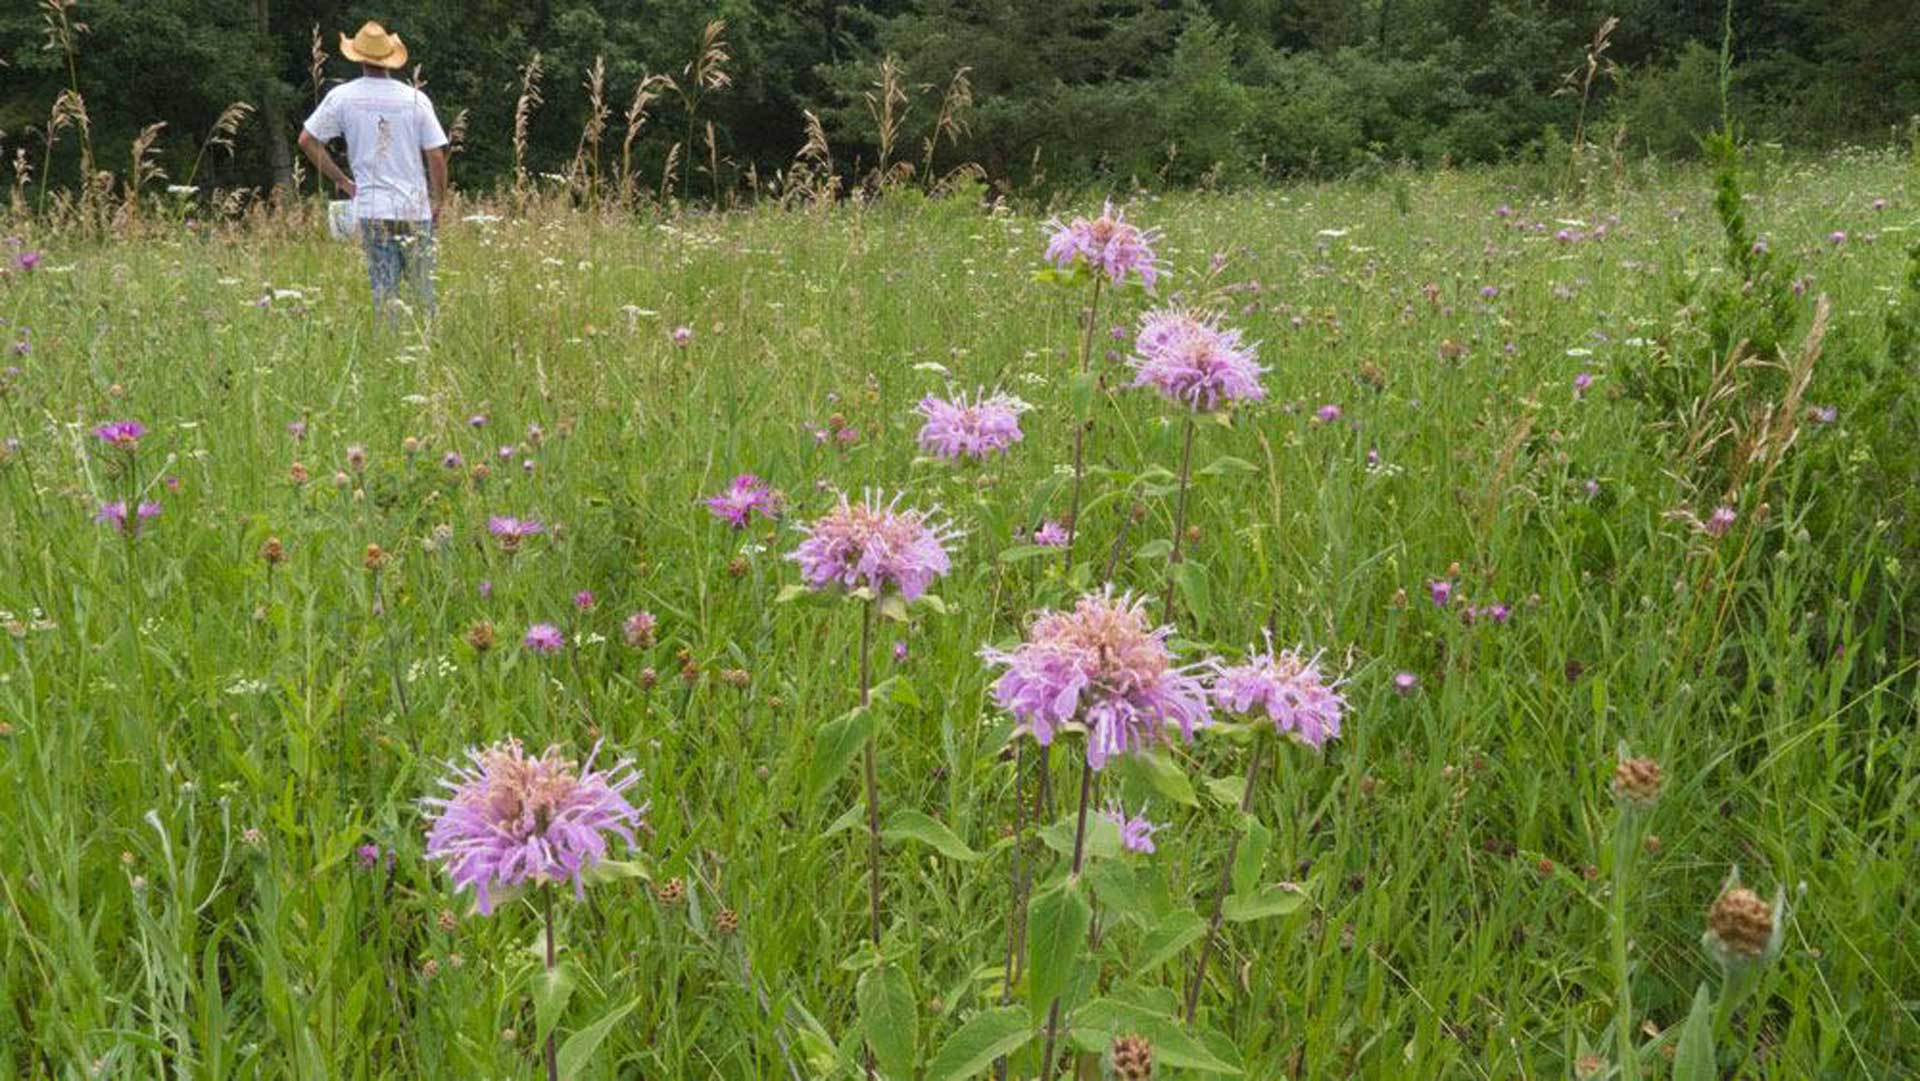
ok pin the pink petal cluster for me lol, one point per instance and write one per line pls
(1108, 244)
(1191, 359)
(873, 545)
(123, 434)
(1136, 831)
(1288, 688)
(745, 497)
(970, 429)
(512, 819)
(1104, 665)
(115, 514)
(511, 531)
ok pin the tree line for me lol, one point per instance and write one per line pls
(703, 99)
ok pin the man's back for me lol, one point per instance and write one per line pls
(387, 123)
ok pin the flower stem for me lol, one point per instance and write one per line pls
(1079, 853)
(1623, 846)
(1080, 423)
(873, 785)
(1017, 901)
(546, 905)
(1179, 520)
(1226, 884)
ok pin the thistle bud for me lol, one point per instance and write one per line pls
(671, 892)
(1130, 1058)
(1636, 781)
(272, 553)
(727, 923)
(297, 473)
(480, 636)
(1740, 926)
(375, 558)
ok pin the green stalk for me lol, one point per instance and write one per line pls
(1624, 843)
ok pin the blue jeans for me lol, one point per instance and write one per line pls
(399, 252)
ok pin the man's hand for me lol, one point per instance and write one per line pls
(347, 187)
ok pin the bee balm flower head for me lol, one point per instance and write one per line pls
(1108, 244)
(1192, 360)
(1288, 688)
(970, 429)
(511, 819)
(875, 546)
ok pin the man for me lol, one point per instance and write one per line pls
(398, 153)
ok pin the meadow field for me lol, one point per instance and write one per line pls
(1596, 527)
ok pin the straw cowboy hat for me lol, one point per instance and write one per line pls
(373, 45)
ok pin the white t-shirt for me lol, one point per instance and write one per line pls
(387, 123)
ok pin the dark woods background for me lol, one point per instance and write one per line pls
(1062, 92)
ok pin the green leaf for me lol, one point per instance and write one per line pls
(1102, 843)
(1106, 1018)
(1114, 885)
(1057, 930)
(834, 748)
(1154, 550)
(790, 593)
(551, 990)
(1276, 900)
(1169, 937)
(613, 871)
(1228, 790)
(914, 826)
(1693, 1058)
(972, 1048)
(893, 606)
(1165, 776)
(888, 1015)
(1020, 553)
(1196, 589)
(931, 602)
(1081, 390)
(1252, 854)
(579, 1047)
(1228, 464)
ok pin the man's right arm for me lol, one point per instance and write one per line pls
(316, 152)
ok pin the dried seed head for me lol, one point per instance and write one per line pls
(1130, 1058)
(447, 920)
(410, 445)
(429, 969)
(297, 473)
(1589, 1067)
(1740, 925)
(648, 677)
(1637, 781)
(671, 892)
(480, 636)
(737, 567)
(727, 922)
(1193, 534)
(272, 553)
(735, 677)
(375, 558)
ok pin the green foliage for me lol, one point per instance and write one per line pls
(1669, 108)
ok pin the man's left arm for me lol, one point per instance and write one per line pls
(436, 160)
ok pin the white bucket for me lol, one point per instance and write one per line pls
(340, 219)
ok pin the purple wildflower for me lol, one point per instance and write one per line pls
(544, 638)
(746, 495)
(1838, 236)
(1288, 688)
(1580, 384)
(1327, 414)
(485, 589)
(478, 420)
(583, 600)
(121, 434)
(1405, 682)
(1051, 534)
(1107, 244)
(899, 650)
(682, 335)
(367, 857)
(1191, 359)
(452, 460)
(1441, 590)
(511, 531)
(512, 819)
(1104, 666)
(1824, 414)
(1719, 521)
(27, 260)
(970, 429)
(640, 630)
(1136, 831)
(296, 430)
(1488, 292)
(115, 514)
(869, 545)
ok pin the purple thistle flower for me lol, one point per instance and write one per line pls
(296, 430)
(544, 638)
(1580, 384)
(746, 495)
(1838, 236)
(1824, 414)
(899, 650)
(1192, 360)
(367, 857)
(1405, 682)
(1107, 244)
(511, 531)
(478, 420)
(1720, 521)
(1103, 666)
(963, 429)
(1051, 534)
(681, 335)
(452, 460)
(1327, 414)
(27, 260)
(1488, 292)
(869, 545)
(583, 600)
(1441, 590)
(485, 588)
(1136, 831)
(640, 630)
(121, 434)
(512, 820)
(1288, 688)
(115, 514)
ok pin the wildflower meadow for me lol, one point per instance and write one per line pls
(1410, 627)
